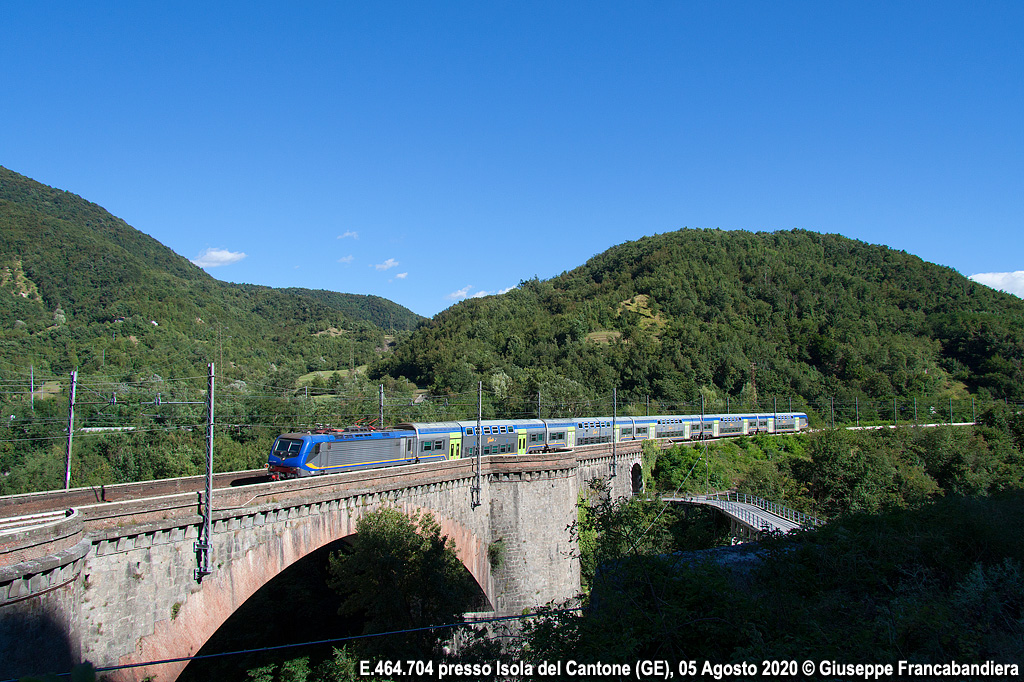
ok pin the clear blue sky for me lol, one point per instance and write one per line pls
(424, 151)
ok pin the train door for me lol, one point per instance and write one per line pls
(522, 442)
(455, 446)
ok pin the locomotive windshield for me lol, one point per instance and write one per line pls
(287, 446)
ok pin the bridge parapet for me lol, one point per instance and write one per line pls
(36, 535)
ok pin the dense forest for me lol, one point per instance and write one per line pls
(733, 313)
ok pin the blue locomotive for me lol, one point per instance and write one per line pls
(337, 450)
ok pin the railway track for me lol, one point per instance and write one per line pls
(50, 500)
(28, 504)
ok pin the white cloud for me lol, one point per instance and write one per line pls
(346, 259)
(464, 293)
(1010, 282)
(460, 294)
(387, 265)
(350, 233)
(402, 275)
(212, 258)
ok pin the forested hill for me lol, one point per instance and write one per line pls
(81, 288)
(727, 313)
(380, 311)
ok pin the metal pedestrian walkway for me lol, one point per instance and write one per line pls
(751, 516)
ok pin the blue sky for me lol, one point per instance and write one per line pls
(427, 152)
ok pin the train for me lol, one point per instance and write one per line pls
(328, 451)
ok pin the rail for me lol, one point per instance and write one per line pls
(19, 524)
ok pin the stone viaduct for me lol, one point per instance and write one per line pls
(114, 583)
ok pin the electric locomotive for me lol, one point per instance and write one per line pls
(332, 451)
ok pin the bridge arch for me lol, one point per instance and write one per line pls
(246, 564)
(127, 590)
(636, 478)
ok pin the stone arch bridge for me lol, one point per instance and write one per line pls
(114, 583)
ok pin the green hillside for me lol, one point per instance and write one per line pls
(81, 288)
(673, 318)
(731, 314)
(380, 311)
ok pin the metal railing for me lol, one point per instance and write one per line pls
(769, 506)
(745, 515)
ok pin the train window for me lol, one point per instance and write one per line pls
(427, 446)
(558, 436)
(469, 430)
(287, 445)
(501, 429)
(439, 445)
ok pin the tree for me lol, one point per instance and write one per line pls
(402, 574)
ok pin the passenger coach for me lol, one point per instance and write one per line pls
(331, 451)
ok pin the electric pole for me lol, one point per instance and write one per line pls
(71, 428)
